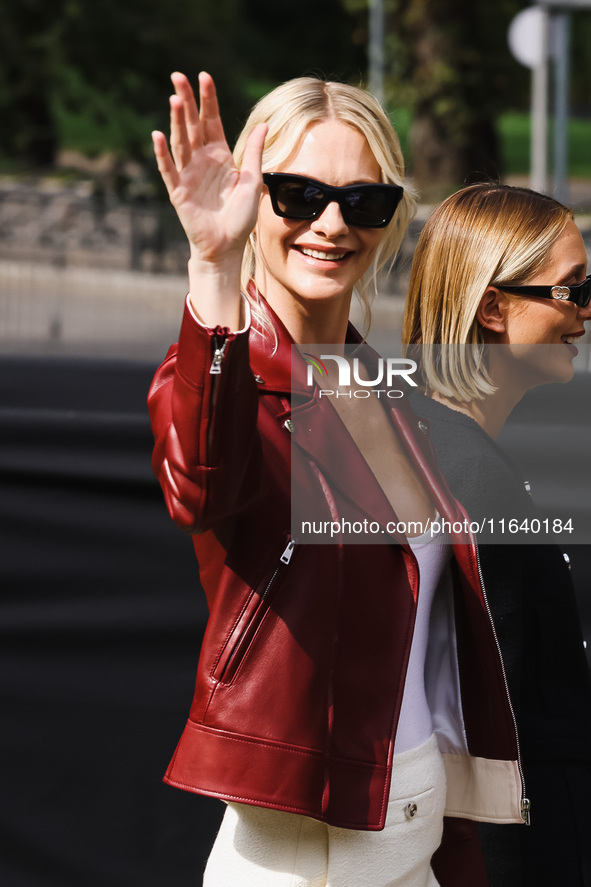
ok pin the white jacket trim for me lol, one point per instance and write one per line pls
(483, 789)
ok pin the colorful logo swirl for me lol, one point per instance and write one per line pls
(315, 362)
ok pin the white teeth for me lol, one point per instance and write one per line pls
(569, 340)
(317, 254)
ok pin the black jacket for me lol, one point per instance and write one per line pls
(535, 612)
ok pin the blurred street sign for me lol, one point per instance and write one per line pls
(537, 34)
(528, 41)
(527, 37)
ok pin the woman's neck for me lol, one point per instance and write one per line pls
(492, 411)
(491, 414)
(311, 321)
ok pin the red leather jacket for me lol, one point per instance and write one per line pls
(303, 662)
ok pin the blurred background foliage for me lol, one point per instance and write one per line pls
(91, 77)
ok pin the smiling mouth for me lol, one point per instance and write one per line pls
(320, 254)
(573, 337)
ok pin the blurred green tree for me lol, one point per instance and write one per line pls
(28, 37)
(94, 74)
(448, 62)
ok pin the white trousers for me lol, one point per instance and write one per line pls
(258, 847)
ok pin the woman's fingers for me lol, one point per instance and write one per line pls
(192, 127)
(179, 137)
(253, 152)
(201, 124)
(166, 166)
(215, 202)
(184, 91)
(213, 130)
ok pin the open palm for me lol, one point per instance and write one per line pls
(215, 202)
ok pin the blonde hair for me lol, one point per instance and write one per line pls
(289, 111)
(484, 235)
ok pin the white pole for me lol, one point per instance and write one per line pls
(376, 49)
(561, 31)
(539, 114)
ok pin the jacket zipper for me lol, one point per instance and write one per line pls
(284, 559)
(215, 370)
(286, 556)
(525, 801)
(257, 616)
(218, 353)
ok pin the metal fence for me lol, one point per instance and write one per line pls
(85, 274)
(74, 226)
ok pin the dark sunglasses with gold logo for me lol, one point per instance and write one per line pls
(579, 293)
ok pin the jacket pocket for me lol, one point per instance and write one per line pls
(252, 616)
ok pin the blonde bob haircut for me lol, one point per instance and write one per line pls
(484, 235)
(289, 111)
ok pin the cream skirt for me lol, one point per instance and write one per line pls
(258, 847)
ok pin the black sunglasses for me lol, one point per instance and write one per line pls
(579, 293)
(364, 205)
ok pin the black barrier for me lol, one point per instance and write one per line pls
(101, 620)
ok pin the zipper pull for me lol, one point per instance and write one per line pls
(216, 364)
(526, 810)
(286, 556)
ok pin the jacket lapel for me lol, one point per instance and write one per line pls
(318, 430)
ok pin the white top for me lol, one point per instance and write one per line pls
(415, 725)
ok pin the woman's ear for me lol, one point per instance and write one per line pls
(491, 313)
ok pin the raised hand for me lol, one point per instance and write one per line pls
(215, 202)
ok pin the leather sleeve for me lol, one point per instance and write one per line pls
(206, 454)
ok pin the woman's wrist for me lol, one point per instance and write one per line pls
(245, 315)
(214, 291)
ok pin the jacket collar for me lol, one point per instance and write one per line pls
(283, 369)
